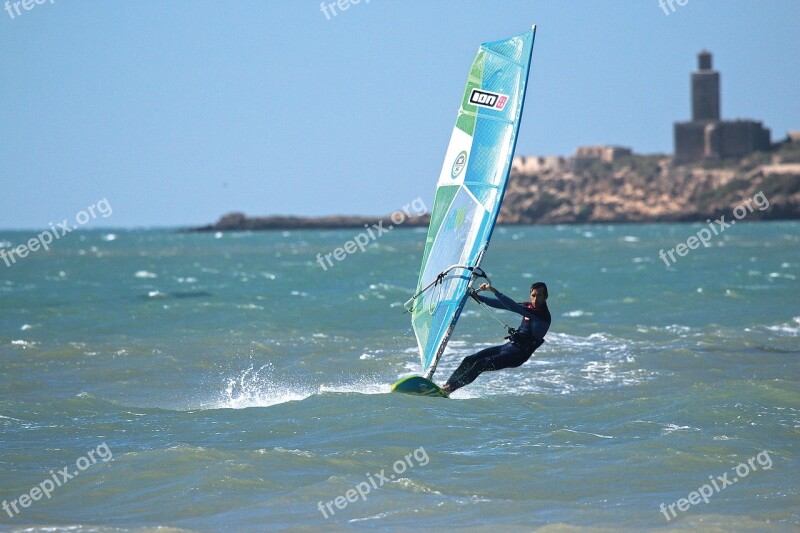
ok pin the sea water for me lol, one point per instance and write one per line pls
(229, 382)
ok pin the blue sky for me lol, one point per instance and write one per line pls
(180, 111)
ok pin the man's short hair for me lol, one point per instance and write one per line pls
(540, 285)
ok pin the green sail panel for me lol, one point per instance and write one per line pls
(470, 189)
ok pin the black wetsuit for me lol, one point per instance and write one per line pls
(528, 337)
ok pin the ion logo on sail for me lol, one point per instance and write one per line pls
(488, 99)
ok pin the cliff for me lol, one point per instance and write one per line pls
(634, 188)
(640, 188)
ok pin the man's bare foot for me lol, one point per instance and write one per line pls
(446, 388)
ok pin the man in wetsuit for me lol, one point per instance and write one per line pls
(522, 343)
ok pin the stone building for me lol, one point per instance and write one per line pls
(586, 155)
(532, 164)
(708, 137)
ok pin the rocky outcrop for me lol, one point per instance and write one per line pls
(241, 222)
(654, 189)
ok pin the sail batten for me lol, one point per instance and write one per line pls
(501, 56)
(470, 189)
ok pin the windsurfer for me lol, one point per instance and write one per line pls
(521, 343)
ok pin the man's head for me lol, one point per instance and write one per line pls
(538, 293)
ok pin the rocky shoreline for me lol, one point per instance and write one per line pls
(634, 189)
(242, 222)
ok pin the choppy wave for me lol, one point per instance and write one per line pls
(264, 387)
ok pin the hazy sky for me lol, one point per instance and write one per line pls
(177, 112)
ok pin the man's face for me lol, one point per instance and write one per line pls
(537, 297)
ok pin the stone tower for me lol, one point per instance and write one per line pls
(708, 137)
(705, 90)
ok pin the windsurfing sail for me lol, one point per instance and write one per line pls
(469, 191)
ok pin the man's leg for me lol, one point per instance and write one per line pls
(511, 356)
(470, 368)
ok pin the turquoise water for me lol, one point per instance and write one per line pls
(229, 383)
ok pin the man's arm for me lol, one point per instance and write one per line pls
(513, 306)
(504, 302)
(491, 302)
